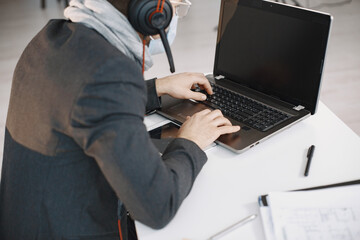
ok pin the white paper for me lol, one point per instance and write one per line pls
(267, 223)
(154, 120)
(326, 214)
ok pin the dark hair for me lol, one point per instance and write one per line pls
(121, 5)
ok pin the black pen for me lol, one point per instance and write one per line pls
(309, 156)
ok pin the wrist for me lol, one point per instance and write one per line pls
(192, 140)
(159, 86)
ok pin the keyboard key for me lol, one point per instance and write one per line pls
(241, 108)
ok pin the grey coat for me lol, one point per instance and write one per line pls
(75, 143)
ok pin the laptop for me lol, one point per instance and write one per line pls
(267, 73)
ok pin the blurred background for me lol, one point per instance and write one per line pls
(194, 48)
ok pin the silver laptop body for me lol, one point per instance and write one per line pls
(270, 53)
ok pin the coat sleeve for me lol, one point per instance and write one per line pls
(107, 122)
(153, 101)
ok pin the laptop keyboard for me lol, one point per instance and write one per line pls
(244, 109)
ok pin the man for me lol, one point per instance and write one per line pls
(77, 156)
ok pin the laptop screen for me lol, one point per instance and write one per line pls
(272, 48)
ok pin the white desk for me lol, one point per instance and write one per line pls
(227, 188)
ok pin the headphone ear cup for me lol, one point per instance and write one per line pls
(145, 19)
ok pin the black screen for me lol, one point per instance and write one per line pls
(275, 49)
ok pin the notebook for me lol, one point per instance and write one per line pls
(328, 212)
(267, 73)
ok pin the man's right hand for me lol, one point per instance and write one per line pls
(205, 127)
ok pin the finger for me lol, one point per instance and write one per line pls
(204, 83)
(201, 80)
(221, 121)
(203, 112)
(196, 96)
(228, 129)
(214, 114)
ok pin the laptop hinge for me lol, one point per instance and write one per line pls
(298, 108)
(219, 77)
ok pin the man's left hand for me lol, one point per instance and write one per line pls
(180, 85)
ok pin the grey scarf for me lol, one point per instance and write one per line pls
(101, 16)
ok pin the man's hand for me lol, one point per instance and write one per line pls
(205, 127)
(179, 85)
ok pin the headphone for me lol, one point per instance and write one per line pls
(151, 17)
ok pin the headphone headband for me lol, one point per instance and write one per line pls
(152, 17)
(148, 16)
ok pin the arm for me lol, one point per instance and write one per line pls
(107, 122)
(177, 86)
(153, 100)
